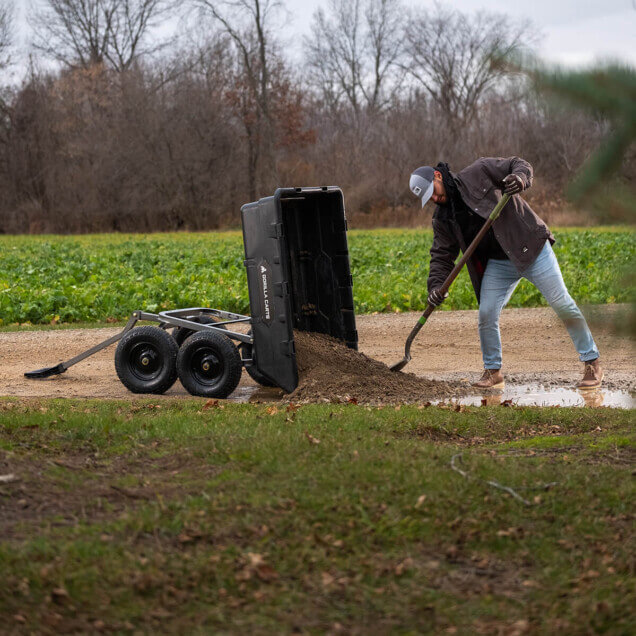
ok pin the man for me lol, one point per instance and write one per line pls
(518, 245)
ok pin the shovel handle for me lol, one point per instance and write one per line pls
(466, 255)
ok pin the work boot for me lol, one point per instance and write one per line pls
(491, 379)
(592, 376)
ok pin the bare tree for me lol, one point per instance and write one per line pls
(6, 32)
(384, 44)
(353, 51)
(335, 50)
(87, 32)
(451, 56)
(247, 23)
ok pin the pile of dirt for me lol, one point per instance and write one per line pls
(329, 371)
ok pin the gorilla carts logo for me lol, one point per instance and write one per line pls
(264, 277)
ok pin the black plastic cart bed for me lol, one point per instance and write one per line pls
(298, 277)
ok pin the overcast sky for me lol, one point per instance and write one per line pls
(574, 32)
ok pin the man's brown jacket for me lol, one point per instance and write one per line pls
(520, 232)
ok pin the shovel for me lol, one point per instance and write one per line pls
(449, 281)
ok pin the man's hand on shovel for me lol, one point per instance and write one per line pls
(436, 297)
(512, 184)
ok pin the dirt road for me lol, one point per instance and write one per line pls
(536, 349)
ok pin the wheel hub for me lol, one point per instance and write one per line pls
(207, 366)
(144, 361)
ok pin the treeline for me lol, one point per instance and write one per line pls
(132, 133)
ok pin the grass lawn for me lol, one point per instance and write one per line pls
(181, 516)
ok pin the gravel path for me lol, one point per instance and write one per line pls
(536, 349)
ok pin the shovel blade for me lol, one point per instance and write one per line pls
(398, 366)
(45, 372)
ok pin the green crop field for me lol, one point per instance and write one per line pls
(63, 279)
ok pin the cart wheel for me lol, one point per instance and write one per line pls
(247, 353)
(145, 360)
(209, 365)
(180, 334)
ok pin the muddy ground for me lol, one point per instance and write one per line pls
(536, 349)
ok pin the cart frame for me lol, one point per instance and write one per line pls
(166, 319)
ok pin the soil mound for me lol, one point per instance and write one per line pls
(329, 371)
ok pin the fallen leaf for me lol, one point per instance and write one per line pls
(327, 579)
(352, 400)
(160, 613)
(312, 439)
(452, 552)
(519, 627)
(271, 410)
(59, 595)
(255, 559)
(266, 573)
(211, 404)
(405, 565)
(7, 479)
(18, 618)
(52, 619)
(244, 575)
(291, 407)
(420, 501)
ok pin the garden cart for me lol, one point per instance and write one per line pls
(298, 277)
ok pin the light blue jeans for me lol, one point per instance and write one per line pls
(500, 280)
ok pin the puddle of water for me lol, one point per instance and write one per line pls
(519, 395)
(538, 395)
(244, 394)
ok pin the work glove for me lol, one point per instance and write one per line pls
(512, 184)
(436, 298)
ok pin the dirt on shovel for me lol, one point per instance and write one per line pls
(329, 371)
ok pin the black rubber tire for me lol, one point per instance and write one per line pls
(146, 360)
(224, 365)
(252, 371)
(181, 334)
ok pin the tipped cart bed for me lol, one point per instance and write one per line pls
(298, 277)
